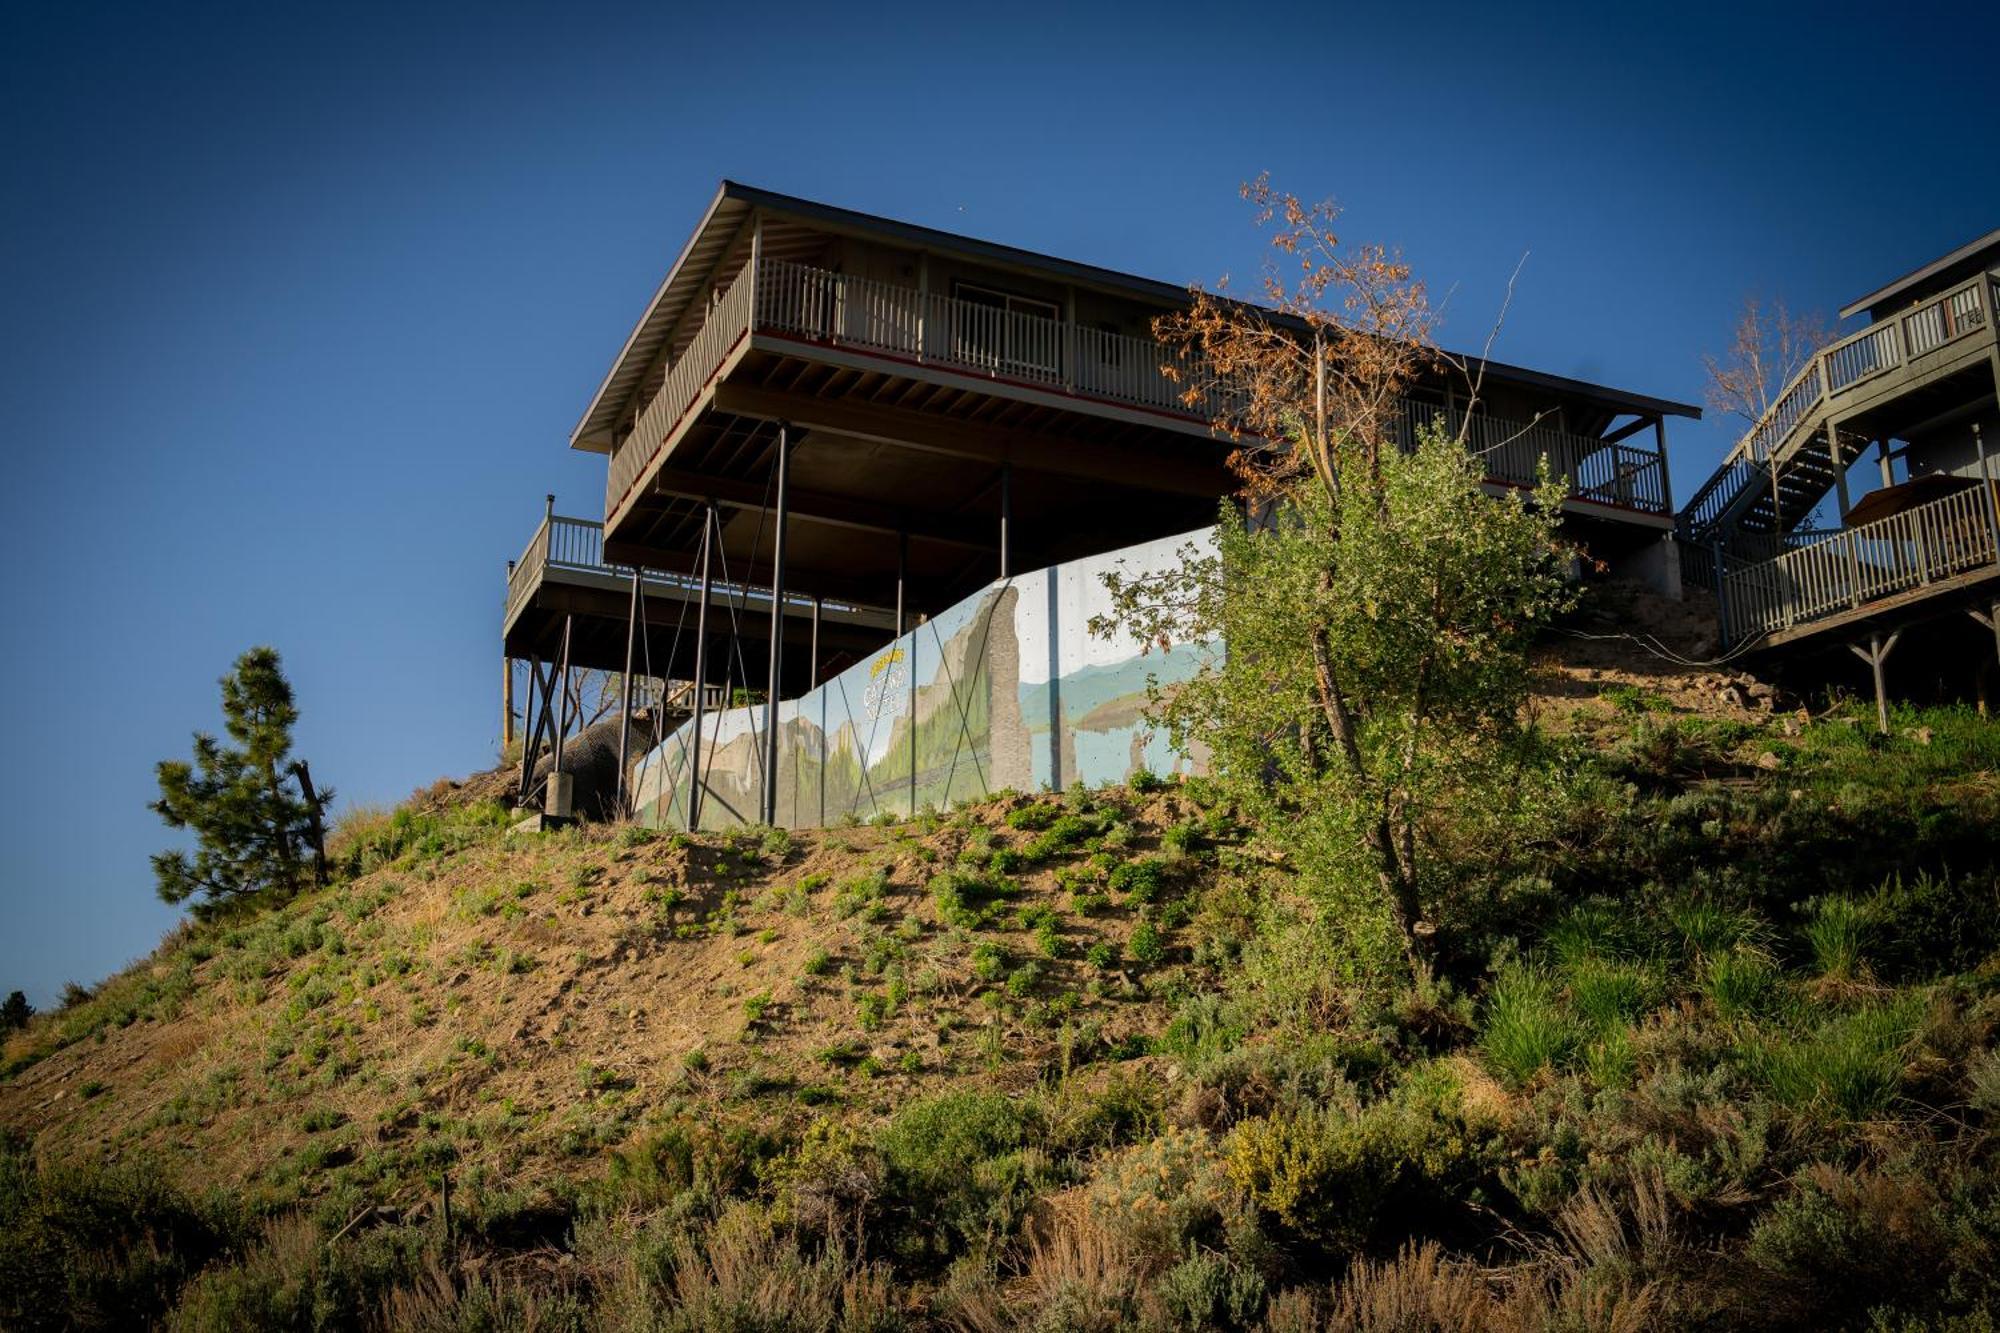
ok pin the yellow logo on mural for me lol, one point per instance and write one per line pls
(884, 662)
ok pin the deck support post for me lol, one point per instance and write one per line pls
(1875, 655)
(910, 660)
(1660, 446)
(625, 693)
(777, 653)
(1992, 505)
(1006, 521)
(1990, 619)
(1721, 592)
(506, 702)
(531, 733)
(812, 675)
(562, 696)
(700, 672)
(1882, 457)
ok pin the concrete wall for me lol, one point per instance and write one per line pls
(1008, 689)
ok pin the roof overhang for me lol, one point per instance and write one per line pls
(735, 204)
(1916, 277)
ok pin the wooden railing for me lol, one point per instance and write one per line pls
(577, 545)
(1849, 568)
(831, 309)
(561, 543)
(727, 323)
(839, 310)
(925, 327)
(1883, 346)
(1626, 475)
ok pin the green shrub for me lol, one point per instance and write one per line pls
(97, 1247)
(989, 961)
(1182, 839)
(1851, 1066)
(1837, 929)
(960, 1166)
(1035, 817)
(1146, 946)
(1608, 995)
(1343, 1180)
(1049, 939)
(1142, 880)
(1527, 1028)
(860, 893)
(1205, 1290)
(961, 898)
(1740, 984)
(1066, 833)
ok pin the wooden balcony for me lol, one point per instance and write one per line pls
(1933, 552)
(786, 308)
(1600, 474)
(563, 583)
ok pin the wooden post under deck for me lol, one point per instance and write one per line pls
(1875, 655)
(506, 702)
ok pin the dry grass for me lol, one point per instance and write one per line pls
(582, 1001)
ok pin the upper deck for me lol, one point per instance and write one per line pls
(943, 398)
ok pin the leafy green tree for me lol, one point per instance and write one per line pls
(1375, 603)
(15, 1012)
(256, 817)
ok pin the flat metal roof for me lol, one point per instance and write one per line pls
(733, 205)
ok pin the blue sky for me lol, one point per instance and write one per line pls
(299, 303)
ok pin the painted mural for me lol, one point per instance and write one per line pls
(1006, 690)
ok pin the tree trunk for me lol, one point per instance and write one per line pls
(1397, 881)
(318, 817)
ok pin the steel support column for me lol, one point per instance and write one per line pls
(562, 696)
(531, 733)
(625, 692)
(776, 675)
(1006, 520)
(700, 671)
(812, 676)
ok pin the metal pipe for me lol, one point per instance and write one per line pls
(625, 692)
(531, 733)
(1006, 520)
(562, 687)
(812, 674)
(777, 654)
(902, 575)
(700, 672)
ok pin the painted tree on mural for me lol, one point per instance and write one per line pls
(1378, 611)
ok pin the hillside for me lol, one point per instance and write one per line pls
(1716, 1049)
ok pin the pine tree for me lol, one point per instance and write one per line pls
(15, 1012)
(253, 809)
